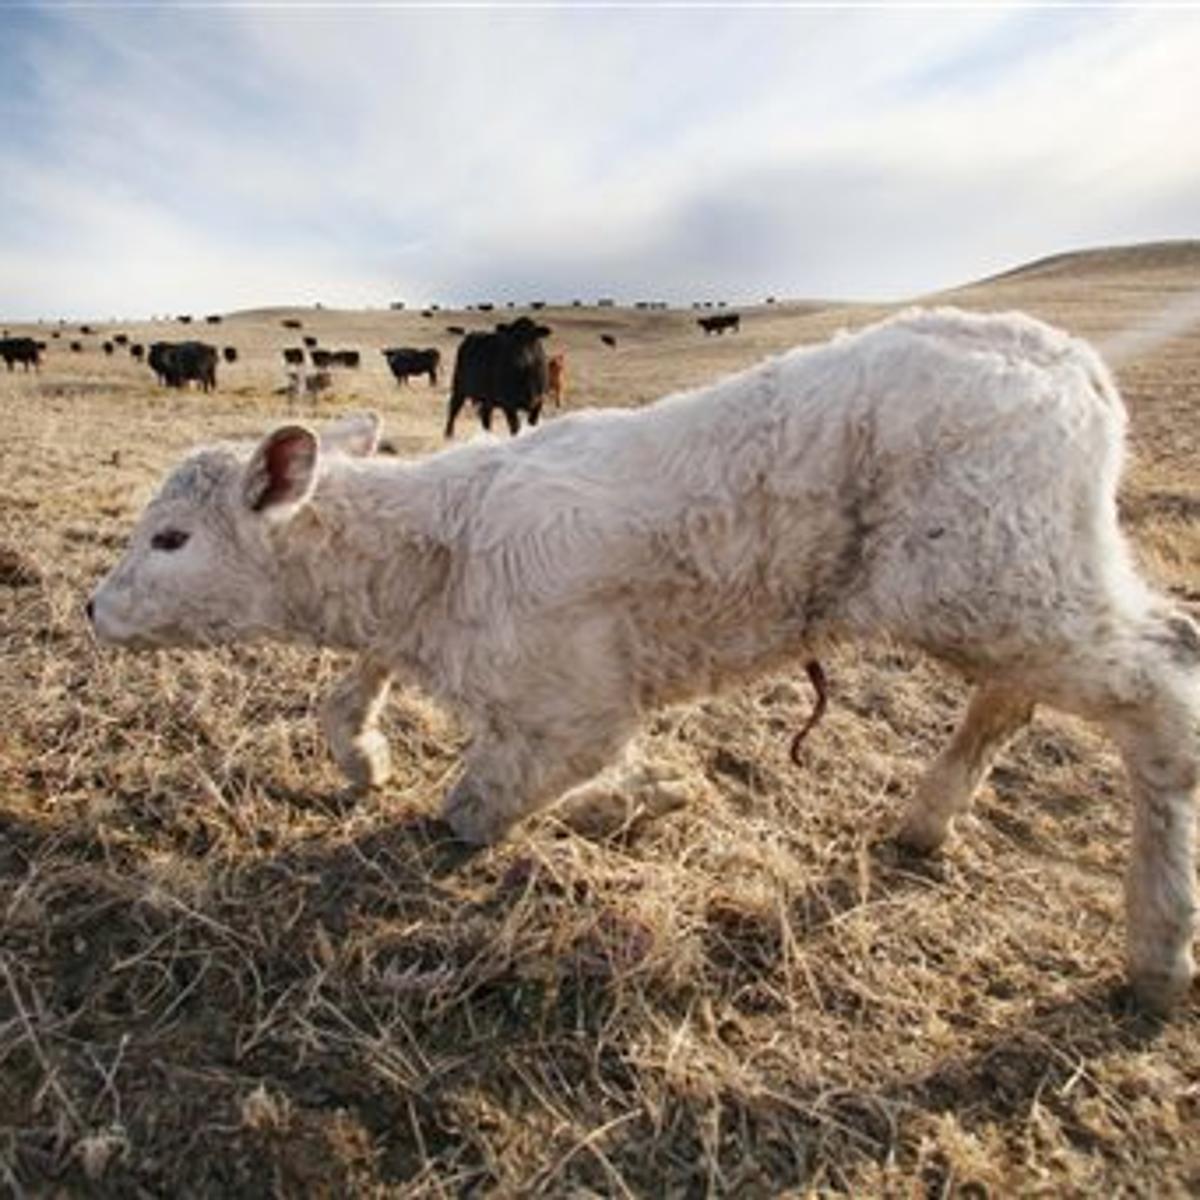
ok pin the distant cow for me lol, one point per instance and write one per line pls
(108, 348)
(456, 330)
(176, 364)
(213, 319)
(720, 323)
(405, 361)
(294, 356)
(309, 341)
(76, 347)
(335, 358)
(138, 351)
(609, 340)
(506, 369)
(23, 350)
(308, 383)
(120, 339)
(556, 377)
(184, 318)
(230, 354)
(292, 323)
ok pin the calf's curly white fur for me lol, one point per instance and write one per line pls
(942, 478)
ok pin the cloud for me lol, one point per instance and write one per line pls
(218, 157)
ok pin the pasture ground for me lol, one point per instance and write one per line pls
(222, 976)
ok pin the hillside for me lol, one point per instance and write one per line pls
(222, 975)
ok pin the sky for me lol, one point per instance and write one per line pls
(210, 157)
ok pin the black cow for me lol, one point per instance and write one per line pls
(309, 340)
(138, 351)
(291, 323)
(177, 363)
(347, 358)
(294, 356)
(505, 368)
(609, 340)
(321, 358)
(229, 354)
(720, 323)
(213, 319)
(108, 348)
(405, 361)
(23, 350)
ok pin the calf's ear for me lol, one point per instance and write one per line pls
(282, 472)
(356, 434)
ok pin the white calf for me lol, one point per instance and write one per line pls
(941, 478)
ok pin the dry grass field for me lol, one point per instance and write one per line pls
(221, 975)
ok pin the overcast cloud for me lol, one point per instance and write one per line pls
(216, 158)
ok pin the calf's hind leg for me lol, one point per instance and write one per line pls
(1143, 686)
(994, 714)
(350, 719)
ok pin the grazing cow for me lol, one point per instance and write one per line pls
(121, 339)
(609, 340)
(108, 348)
(506, 368)
(321, 358)
(213, 319)
(292, 323)
(556, 377)
(184, 319)
(76, 347)
(230, 354)
(176, 364)
(293, 356)
(23, 350)
(719, 323)
(346, 358)
(456, 330)
(406, 361)
(309, 341)
(945, 480)
(85, 329)
(137, 350)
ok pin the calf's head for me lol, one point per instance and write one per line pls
(202, 566)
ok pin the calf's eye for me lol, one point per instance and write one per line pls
(169, 539)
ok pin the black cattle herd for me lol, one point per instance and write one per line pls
(504, 368)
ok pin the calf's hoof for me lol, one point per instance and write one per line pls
(367, 761)
(1157, 992)
(467, 811)
(920, 834)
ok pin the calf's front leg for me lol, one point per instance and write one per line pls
(350, 719)
(509, 776)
